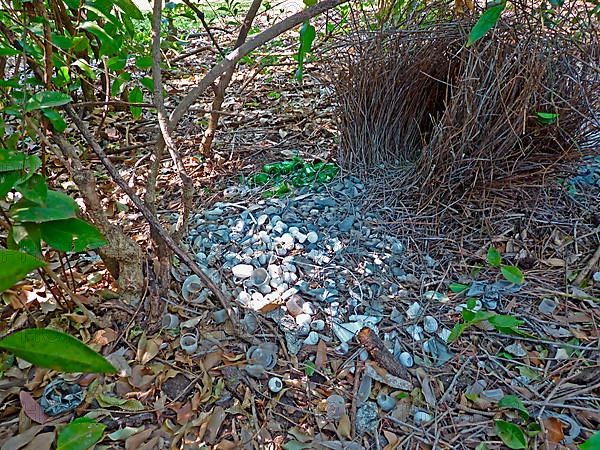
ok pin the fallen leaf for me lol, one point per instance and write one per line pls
(344, 428)
(321, 358)
(32, 408)
(20, 440)
(135, 441)
(554, 427)
(147, 349)
(42, 441)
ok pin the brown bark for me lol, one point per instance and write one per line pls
(122, 256)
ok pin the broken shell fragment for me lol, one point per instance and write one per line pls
(188, 343)
(275, 385)
(169, 321)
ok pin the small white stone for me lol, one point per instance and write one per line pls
(302, 319)
(242, 271)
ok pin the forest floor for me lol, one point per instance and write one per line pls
(523, 372)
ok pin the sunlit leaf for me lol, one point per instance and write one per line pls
(512, 435)
(80, 434)
(513, 274)
(55, 350)
(14, 266)
(485, 23)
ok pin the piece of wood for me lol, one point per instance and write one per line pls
(374, 345)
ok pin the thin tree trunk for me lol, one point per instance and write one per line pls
(225, 79)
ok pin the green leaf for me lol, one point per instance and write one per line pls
(116, 63)
(143, 62)
(148, 83)
(481, 446)
(136, 96)
(546, 118)
(593, 443)
(8, 51)
(493, 257)
(55, 350)
(85, 68)
(512, 435)
(307, 36)
(514, 402)
(118, 84)
(457, 288)
(71, 235)
(58, 123)
(457, 330)
(58, 206)
(309, 368)
(505, 321)
(512, 274)
(47, 99)
(7, 181)
(485, 23)
(310, 3)
(130, 9)
(14, 266)
(109, 44)
(33, 188)
(80, 434)
(26, 238)
(62, 41)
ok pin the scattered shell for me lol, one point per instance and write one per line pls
(414, 311)
(422, 417)
(396, 316)
(385, 402)
(406, 359)
(415, 331)
(220, 316)
(547, 306)
(430, 324)
(294, 305)
(318, 325)
(346, 331)
(336, 407)
(312, 338)
(188, 343)
(169, 321)
(433, 295)
(494, 395)
(444, 334)
(191, 286)
(303, 319)
(259, 277)
(312, 237)
(516, 350)
(264, 354)
(275, 385)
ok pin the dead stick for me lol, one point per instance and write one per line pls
(374, 345)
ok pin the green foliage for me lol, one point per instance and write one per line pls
(307, 36)
(293, 173)
(512, 435)
(81, 434)
(493, 257)
(546, 118)
(513, 274)
(15, 266)
(514, 402)
(485, 23)
(593, 443)
(55, 350)
(503, 323)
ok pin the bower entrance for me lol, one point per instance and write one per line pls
(511, 109)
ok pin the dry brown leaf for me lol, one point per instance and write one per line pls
(32, 408)
(20, 440)
(184, 414)
(554, 428)
(214, 424)
(147, 349)
(42, 441)
(392, 439)
(134, 442)
(321, 358)
(344, 428)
